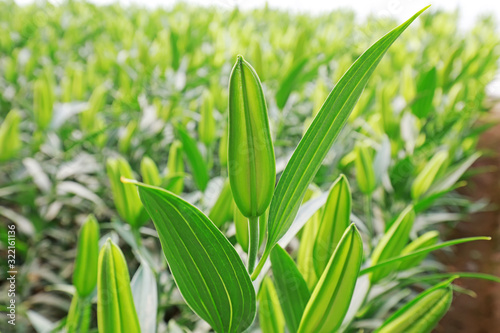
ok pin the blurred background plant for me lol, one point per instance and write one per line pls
(91, 93)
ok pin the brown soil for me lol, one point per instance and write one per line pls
(480, 314)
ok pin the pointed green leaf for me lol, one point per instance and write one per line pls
(334, 221)
(251, 164)
(196, 161)
(271, 318)
(115, 305)
(393, 241)
(428, 239)
(292, 288)
(401, 258)
(331, 297)
(206, 268)
(426, 177)
(316, 143)
(222, 210)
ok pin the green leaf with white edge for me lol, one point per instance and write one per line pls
(115, 305)
(195, 159)
(421, 314)
(318, 139)
(334, 221)
(393, 241)
(292, 288)
(205, 266)
(428, 239)
(85, 273)
(332, 295)
(145, 293)
(426, 177)
(271, 319)
(401, 258)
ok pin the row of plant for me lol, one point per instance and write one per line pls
(323, 168)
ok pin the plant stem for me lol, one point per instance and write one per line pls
(253, 242)
(260, 265)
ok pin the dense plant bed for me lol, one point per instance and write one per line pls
(297, 187)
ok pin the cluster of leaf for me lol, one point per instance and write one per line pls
(91, 94)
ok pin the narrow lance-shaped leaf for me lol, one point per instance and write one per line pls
(292, 288)
(426, 177)
(271, 318)
(320, 136)
(393, 241)
(334, 222)
(85, 273)
(428, 239)
(418, 253)
(426, 87)
(421, 314)
(115, 306)
(222, 210)
(251, 164)
(305, 258)
(195, 159)
(331, 297)
(206, 268)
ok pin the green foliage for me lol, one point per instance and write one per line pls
(151, 86)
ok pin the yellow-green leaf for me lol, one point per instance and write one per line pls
(332, 295)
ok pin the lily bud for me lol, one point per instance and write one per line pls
(251, 163)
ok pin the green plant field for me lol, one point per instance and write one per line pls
(195, 169)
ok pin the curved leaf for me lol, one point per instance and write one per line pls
(330, 300)
(196, 161)
(316, 143)
(334, 221)
(206, 268)
(271, 318)
(292, 288)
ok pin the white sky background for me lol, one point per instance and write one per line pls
(400, 9)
